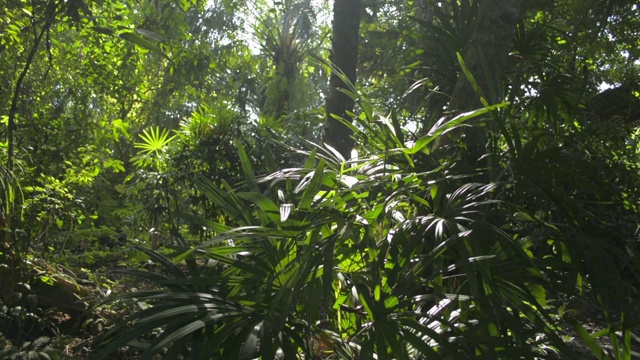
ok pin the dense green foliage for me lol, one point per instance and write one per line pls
(180, 143)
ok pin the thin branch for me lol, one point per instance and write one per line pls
(50, 56)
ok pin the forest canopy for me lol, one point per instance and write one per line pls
(297, 179)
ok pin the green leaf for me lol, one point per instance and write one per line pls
(154, 140)
(102, 30)
(311, 185)
(589, 341)
(472, 80)
(247, 169)
(150, 34)
(143, 43)
(250, 345)
(264, 203)
(444, 125)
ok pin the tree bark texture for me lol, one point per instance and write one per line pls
(486, 56)
(344, 57)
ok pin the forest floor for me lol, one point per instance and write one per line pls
(585, 310)
(81, 330)
(589, 314)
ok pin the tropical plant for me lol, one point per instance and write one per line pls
(36, 349)
(388, 256)
(497, 178)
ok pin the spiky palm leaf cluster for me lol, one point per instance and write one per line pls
(392, 255)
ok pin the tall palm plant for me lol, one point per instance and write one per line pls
(388, 256)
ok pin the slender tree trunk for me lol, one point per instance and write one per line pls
(344, 57)
(486, 56)
(5, 218)
(10, 253)
(13, 110)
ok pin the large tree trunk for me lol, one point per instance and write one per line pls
(344, 56)
(489, 46)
